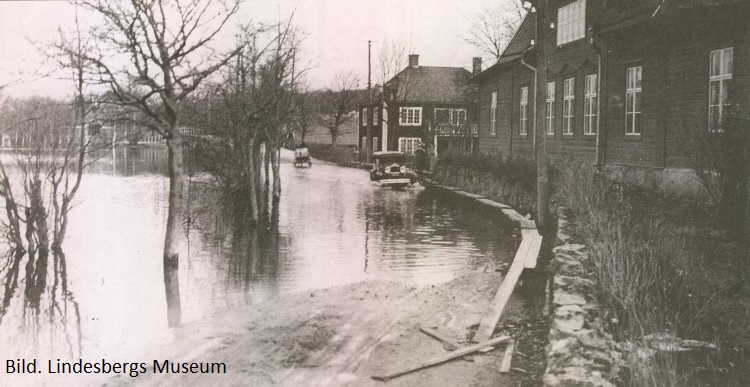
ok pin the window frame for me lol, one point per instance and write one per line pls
(569, 92)
(414, 144)
(570, 23)
(363, 121)
(590, 100)
(636, 91)
(523, 114)
(375, 113)
(549, 109)
(454, 115)
(724, 80)
(403, 113)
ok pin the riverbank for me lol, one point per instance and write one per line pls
(345, 335)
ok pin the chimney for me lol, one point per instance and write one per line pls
(413, 60)
(476, 67)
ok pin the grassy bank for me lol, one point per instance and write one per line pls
(664, 270)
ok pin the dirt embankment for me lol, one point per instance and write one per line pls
(344, 336)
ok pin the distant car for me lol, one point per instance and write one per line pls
(302, 156)
(388, 169)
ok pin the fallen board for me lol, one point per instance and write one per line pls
(434, 334)
(442, 359)
(488, 324)
(447, 343)
(507, 357)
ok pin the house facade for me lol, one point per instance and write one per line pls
(630, 85)
(423, 104)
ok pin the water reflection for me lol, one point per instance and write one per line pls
(38, 318)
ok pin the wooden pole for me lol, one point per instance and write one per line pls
(442, 359)
(542, 189)
(368, 117)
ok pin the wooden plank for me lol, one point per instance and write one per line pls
(435, 335)
(507, 357)
(447, 343)
(533, 253)
(513, 215)
(442, 359)
(488, 324)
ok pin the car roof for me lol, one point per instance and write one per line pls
(388, 153)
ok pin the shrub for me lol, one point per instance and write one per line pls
(518, 171)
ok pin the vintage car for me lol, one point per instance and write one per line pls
(388, 169)
(302, 156)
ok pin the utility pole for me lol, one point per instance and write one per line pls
(368, 117)
(542, 188)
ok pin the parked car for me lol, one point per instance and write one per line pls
(388, 169)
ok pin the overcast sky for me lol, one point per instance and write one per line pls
(337, 30)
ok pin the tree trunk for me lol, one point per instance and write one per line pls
(274, 152)
(253, 185)
(173, 232)
(266, 163)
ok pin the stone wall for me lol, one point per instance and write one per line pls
(579, 352)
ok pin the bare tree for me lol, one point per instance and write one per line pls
(493, 27)
(392, 61)
(307, 112)
(168, 56)
(51, 140)
(257, 107)
(340, 102)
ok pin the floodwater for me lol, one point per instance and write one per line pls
(332, 227)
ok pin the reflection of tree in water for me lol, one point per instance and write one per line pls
(39, 313)
(244, 252)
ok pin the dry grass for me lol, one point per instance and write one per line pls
(660, 271)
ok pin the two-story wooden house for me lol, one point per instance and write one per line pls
(435, 105)
(628, 83)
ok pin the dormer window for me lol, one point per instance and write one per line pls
(571, 22)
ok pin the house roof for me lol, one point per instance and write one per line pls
(446, 85)
(522, 38)
(520, 42)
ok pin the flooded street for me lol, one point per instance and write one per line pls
(333, 228)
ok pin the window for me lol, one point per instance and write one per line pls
(374, 143)
(568, 105)
(364, 117)
(549, 111)
(375, 116)
(522, 130)
(408, 145)
(493, 114)
(410, 116)
(590, 107)
(450, 116)
(458, 116)
(571, 22)
(633, 120)
(719, 86)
